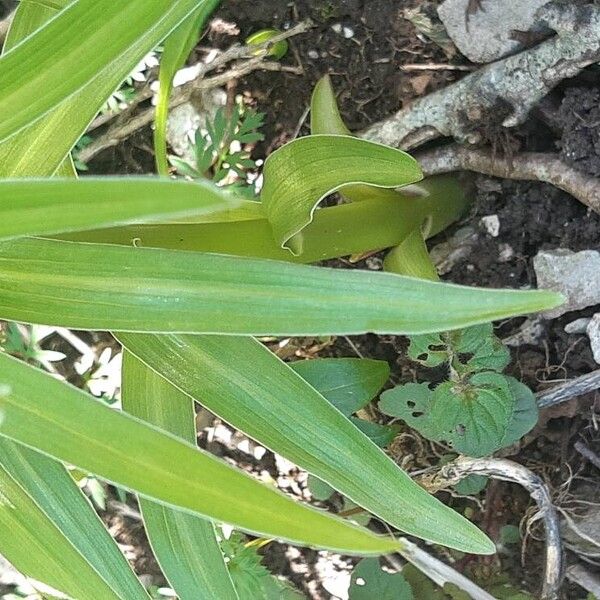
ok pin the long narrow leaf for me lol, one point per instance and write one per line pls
(177, 48)
(184, 545)
(55, 492)
(44, 206)
(40, 148)
(335, 231)
(245, 384)
(31, 542)
(300, 174)
(97, 286)
(126, 451)
(68, 52)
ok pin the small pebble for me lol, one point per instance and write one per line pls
(313, 54)
(337, 27)
(491, 224)
(577, 326)
(348, 32)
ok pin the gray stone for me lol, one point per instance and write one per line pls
(593, 331)
(574, 274)
(487, 34)
(578, 326)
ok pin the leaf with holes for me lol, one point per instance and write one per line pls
(428, 349)
(369, 581)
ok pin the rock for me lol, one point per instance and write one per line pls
(491, 224)
(486, 30)
(578, 326)
(447, 254)
(530, 332)
(593, 332)
(574, 274)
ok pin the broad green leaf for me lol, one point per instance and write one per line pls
(102, 287)
(325, 115)
(69, 51)
(157, 465)
(176, 49)
(45, 206)
(479, 349)
(185, 545)
(246, 385)
(40, 148)
(411, 258)
(36, 546)
(471, 485)
(335, 231)
(471, 416)
(369, 581)
(429, 349)
(348, 383)
(54, 491)
(303, 172)
(525, 414)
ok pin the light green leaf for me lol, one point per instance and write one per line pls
(246, 385)
(157, 465)
(45, 206)
(36, 546)
(41, 147)
(335, 231)
(68, 53)
(176, 49)
(290, 197)
(429, 349)
(185, 546)
(325, 115)
(411, 258)
(53, 490)
(348, 383)
(369, 581)
(102, 287)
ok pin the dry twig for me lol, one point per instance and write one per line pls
(249, 58)
(548, 168)
(590, 382)
(506, 470)
(503, 92)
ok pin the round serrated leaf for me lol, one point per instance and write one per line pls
(474, 418)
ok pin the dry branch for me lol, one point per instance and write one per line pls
(247, 59)
(548, 168)
(503, 92)
(579, 386)
(506, 470)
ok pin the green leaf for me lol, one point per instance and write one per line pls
(45, 206)
(411, 258)
(348, 383)
(283, 413)
(380, 435)
(157, 465)
(335, 231)
(472, 417)
(471, 485)
(319, 489)
(102, 287)
(369, 581)
(324, 112)
(41, 147)
(303, 172)
(430, 349)
(252, 579)
(525, 414)
(176, 49)
(54, 492)
(71, 49)
(185, 546)
(482, 348)
(278, 50)
(36, 546)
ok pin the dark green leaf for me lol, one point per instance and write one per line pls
(370, 582)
